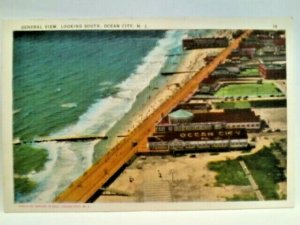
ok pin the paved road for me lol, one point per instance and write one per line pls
(93, 179)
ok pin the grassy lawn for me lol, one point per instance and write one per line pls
(28, 159)
(266, 172)
(229, 173)
(251, 90)
(264, 167)
(250, 72)
(233, 105)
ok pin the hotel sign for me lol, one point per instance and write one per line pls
(209, 134)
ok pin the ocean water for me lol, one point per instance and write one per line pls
(59, 75)
(79, 83)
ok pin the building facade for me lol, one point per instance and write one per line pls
(200, 140)
(227, 119)
(194, 43)
(273, 71)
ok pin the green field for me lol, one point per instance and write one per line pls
(233, 105)
(249, 72)
(250, 90)
(264, 167)
(229, 173)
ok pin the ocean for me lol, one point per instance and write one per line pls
(68, 83)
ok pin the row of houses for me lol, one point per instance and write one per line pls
(195, 126)
(195, 43)
(262, 54)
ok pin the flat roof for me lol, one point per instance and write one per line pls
(228, 115)
(275, 66)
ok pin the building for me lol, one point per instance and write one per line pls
(241, 52)
(205, 89)
(237, 33)
(273, 71)
(268, 33)
(200, 140)
(209, 58)
(224, 119)
(180, 116)
(226, 72)
(251, 43)
(194, 43)
(195, 106)
(183, 131)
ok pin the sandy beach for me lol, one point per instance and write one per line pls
(149, 100)
(165, 177)
(184, 178)
(159, 90)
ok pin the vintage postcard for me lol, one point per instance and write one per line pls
(170, 114)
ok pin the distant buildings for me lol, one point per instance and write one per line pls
(258, 55)
(194, 43)
(193, 125)
(272, 71)
(195, 107)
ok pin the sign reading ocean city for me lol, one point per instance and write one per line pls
(212, 134)
(153, 133)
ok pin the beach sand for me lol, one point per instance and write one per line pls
(159, 90)
(277, 119)
(185, 178)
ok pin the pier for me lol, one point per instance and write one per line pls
(60, 139)
(82, 189)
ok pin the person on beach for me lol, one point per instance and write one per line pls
(159, 174)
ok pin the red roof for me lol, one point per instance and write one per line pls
(228, 116)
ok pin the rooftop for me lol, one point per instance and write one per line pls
(181, 114)
(228, 115)
(274, 66)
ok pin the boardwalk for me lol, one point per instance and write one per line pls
(93, 179)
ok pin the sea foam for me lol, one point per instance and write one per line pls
(67, 161)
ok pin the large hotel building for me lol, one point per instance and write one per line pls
(182, 120)
(182, 130)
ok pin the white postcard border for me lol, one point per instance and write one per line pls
(138, 24)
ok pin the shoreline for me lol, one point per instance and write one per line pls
(108, 165)
(158, 91)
